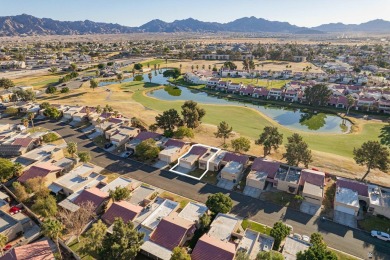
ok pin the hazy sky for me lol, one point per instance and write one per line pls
(134, 13)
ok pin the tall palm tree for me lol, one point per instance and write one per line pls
(53, 229)
(192, 68)
(150, 76)
(30, 116)
(3, 242)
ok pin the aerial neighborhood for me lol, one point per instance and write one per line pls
(243, 140)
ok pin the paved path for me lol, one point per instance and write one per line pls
(352, 241)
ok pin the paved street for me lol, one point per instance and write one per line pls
(346, 239)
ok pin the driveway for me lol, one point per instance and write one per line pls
(252, 192)
(226, 184)
(345, 219)
(310, 208)
(352, 241)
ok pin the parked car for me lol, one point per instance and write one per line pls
(63, 85)
(13, 210)
(297, 236)
(381, 235)
(108, 145)
(127, 154)
(7, 247)
(306, 238)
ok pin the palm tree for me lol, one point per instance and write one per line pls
(209, 67)
(180, 66)
(3, 242)
(30, 116)
(25, 122)
(150, 76)
(197, 67)
(53, 229)
(155, 66)
(73, 67)
(192, 68)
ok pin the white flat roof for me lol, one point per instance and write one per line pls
(312, 189)
(162, 211)
(170, 150)
(193, 211)
(222, 227)
(292, 247)
(118, 182)
(233, 168)
(347, 196)
(156, 250)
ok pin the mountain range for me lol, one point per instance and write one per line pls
(29, 25)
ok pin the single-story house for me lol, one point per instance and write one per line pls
(40, 250)
(209, 247)
(235, 165)
(45, 170)
(261, 169)
(313, 186)
(173, 149)
(45, 153)
(94, 195)
(192, 157)
(9, 226)
(142, 136)
(287, 179)
(121, 209)
(123, 134)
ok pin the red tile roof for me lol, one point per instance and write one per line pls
(35, 251)
(313, 177)
(267, 166)
(24, 142)
(210, 248)
(359, 187)
(229, 157)
(123, 210)
(198, 150)
(96, 196)
(39, 170)
(147, 135)
(175, 143)
(171, 230)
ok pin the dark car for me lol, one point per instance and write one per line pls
(106, 146)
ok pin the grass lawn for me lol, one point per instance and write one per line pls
(279, 197)
(255, 226)
(39, 81)
(76, 247)
(339, 144)
(261, 82)
(342, 256)
(375, 223)
(182, 201)
(110, 175)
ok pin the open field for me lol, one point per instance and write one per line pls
(38, 82)
(261, 82)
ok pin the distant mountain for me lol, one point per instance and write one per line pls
(371, 26)
(29, 25)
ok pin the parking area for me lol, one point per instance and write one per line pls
(345, 219)
(251, 191)
(226, 184)
(310, 208)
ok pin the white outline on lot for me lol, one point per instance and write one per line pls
(207, 167)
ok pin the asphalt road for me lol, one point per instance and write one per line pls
(352, 241)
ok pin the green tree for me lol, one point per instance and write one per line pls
(224, 131)
(119, 77)
(179, 253)
(241, 255)
(172, 73)
(317, 251)
(7, 170)
(279, 232)
(84, 157)
(269, 255)
(270, 138)
(93, 241)
(18, 169)
(150, 76)
(37, 185)
(101, 66)
(373, 155)
(248, 64)
(120, 193)
(45, 206)
(183, 131)
(53, 70)
(124, 243)
(219, 203)
(3, 242)
(65, 90)
(44, 105)
(73, 67)
(241, 144)
(12, 111)
(53, 229)
(51, 90)
(71, 148)
(297, 151)
(138, 66)
(192, 114)
(6, 83)
(168, 120)
(350, 101)
(24, 122)
(52, 112)
(93, 84)
(147, 149)
(230, 65)
(20, 191)
(318, 95)
(205, 221)
(31, 116)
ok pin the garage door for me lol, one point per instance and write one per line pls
(345, 210)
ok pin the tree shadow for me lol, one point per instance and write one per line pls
(385, 135)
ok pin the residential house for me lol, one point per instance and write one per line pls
(17, 147)
(142, 136)
(121, 209)
(365, 103)
(275, 93)
(191, 158)
(313, 183)
(379, 200)
(70, 112)
(287, 179)
(235, 165)
(384, 106)
(292, 246)
(9, 226)
(120, 182)
(348, 195)
(253, 242)
(45, 153)
(94, 195)
(261, 169)
(213, 159)
(44, 170)
(40, 250)
(173, 149)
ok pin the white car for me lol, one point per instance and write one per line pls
(306, 238)
(297, 236)
(381, 235)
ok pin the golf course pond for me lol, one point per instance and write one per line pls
(294, 119)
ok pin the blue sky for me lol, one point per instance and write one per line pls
(134, 13)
